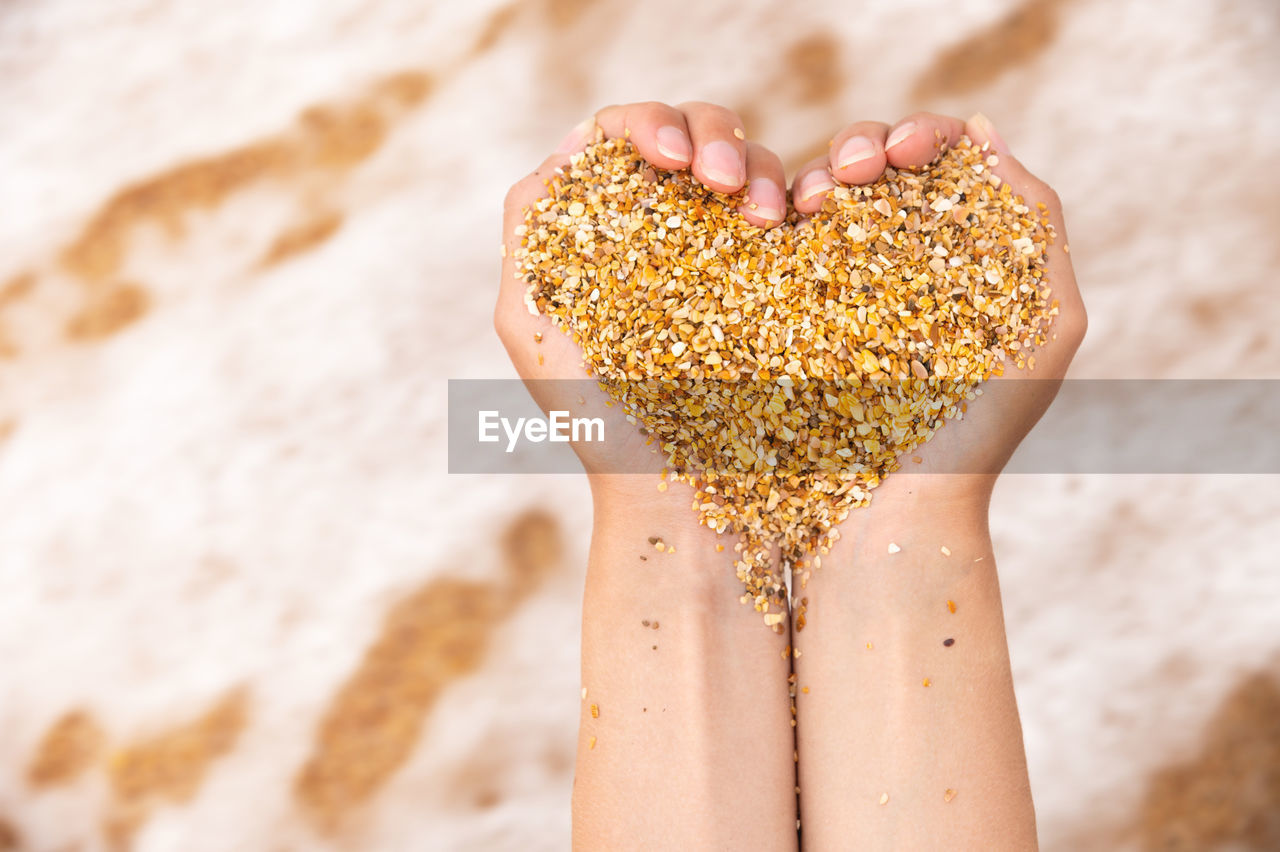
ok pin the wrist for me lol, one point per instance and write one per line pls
(655, 538)
(927, 502)
(920, 542)
(912, 516)
(627, 498)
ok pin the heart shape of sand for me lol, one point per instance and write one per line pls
(786, 371)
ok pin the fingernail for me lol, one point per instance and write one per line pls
(989, 130)
(815, 183)
(578, 136)
(767, 197)
(900, 134)
(674, 143)
(854, 150)
(721, 163)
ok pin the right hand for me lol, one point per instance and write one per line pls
(996, 422)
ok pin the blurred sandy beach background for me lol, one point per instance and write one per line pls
(244, 245)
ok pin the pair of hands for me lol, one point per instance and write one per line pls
(710, 141)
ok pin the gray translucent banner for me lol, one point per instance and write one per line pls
(1093, 426)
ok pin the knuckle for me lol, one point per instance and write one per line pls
(499, 325)
(504, 319)
(711, 112)
(1080, 326)
(1048, 194)
(729, 116)
(924, 119)
(512, 198)
(762, 156)
(1073, 325)
(949, 128)
(864, 128)
(522, 191)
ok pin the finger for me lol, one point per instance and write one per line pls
(811, 185)
(1071, 323)
(857, 152)
(579, 137)
(919, 138)
(536, 347)
(765, 204)
(1010, 169)
(657, 130)
(719, 149)
(522, 195)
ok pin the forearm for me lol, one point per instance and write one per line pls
(908, 735)
(685, 738)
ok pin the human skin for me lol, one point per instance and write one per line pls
(692, 747)
(693, 744)
(868, 726)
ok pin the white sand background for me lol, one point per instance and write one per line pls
(234, 489)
